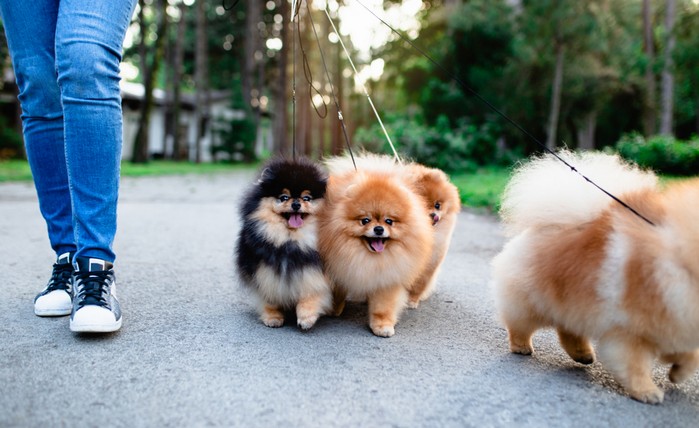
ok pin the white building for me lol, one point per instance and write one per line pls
(161, 145)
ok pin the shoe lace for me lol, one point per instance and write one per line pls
(92, 288)
(60, 277)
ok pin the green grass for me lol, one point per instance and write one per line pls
(15, 170)
(482, 189)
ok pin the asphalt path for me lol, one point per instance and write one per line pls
(192, 353)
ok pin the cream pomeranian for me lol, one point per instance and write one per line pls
(375, 239)
(582, 263)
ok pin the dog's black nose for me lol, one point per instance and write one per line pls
(296, 205)
(378, 230)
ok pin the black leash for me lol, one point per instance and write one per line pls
(456, 79)
(340, 117)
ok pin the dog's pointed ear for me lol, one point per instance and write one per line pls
(265, 175)
(351, 191)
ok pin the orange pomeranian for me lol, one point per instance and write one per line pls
(440, 199)
(585, 265)
(443, 204)
(375, 240)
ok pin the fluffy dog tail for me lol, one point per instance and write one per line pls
(544, 191)
(365, 161)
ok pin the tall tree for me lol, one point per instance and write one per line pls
(556, 90)
(179, 140)
(252, 48)
(150, 71)
(281, 115)
(649, 107)
(668, 80)
(201, 78)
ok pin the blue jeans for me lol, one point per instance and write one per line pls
(66, 56)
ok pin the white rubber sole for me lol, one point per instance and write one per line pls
(52, 312)
(94, 319)
(54, 304)
(95, 328)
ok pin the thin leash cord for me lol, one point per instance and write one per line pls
(361, 81)
(332, 88)
(294, 15)
(500, 113)
(308, 74)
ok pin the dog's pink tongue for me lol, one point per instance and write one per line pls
(295, 221)
(377, 245)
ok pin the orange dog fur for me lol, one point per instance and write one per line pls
(375, 239)
(443, 203)
(585, 265)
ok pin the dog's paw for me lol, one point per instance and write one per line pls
(413, 304)
(306, 322)
(585, 358)
(680, 373)
(650, 396)
(521, 349)
(383, 330)
(273, 322)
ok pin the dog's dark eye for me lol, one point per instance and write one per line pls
(307, 198)
(284, 198)
(389, 222)
(437, 206)
(365, 221)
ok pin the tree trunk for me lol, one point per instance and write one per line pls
(649, 105)
(141, 143)
(586, 131)
(180, 141)
(281, 115)
(668, 80)
(556, 90)
(252, 50)
(201, 80)
(337, 138)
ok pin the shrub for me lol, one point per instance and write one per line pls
(236, 139)
(461, 149)
(663, 154)
(11, 143)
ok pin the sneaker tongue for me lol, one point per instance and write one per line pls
(63, 259)
(86, 264)
(295, 221)
(377, 244)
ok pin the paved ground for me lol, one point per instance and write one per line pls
(192, 352)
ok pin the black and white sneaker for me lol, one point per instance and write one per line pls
(56, 299)
(95, 307)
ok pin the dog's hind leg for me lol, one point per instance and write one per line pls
(578, 347)
(339, 299)
(630, 360)
(684, 365)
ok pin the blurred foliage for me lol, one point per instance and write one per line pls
(460, 148)
(503, 52)
(663, 154)
(11, 143)
(237, 140)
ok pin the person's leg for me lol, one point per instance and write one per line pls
(30, 30)
(89, 37)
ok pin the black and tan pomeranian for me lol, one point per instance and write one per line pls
(276, 251)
